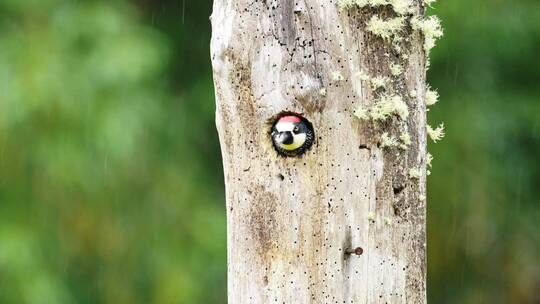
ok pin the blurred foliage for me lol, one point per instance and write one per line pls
(110, 177)
(484, 193)
(110, 186)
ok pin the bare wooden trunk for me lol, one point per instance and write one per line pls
(291, 220)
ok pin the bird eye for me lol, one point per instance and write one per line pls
(296, 129)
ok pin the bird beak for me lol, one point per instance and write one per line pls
(285, 138)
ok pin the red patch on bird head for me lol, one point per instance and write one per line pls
(290, 118)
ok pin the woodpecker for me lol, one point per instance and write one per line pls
(292, 135)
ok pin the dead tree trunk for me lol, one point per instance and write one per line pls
(357, 73)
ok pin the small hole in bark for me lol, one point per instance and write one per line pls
(398, 189)
(280, 176)
(396, 210)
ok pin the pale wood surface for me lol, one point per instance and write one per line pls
(291, 219)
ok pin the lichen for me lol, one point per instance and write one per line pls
(386, 29)
(437, 133)
(389, 105)
(432, 97)
(375, 3)
(401, 7)
(405, 139)
(429, 159)
(322, 92)
(429, 2)
(379, 82)
(385, 107)
(346, 4)
(396, 44)
(391, 30)
(361, 113)
(415, 173)
(430, 27)
(396, 69)
(388, 141)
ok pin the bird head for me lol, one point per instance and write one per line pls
(292, 135)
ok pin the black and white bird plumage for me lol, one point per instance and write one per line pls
(292, 135)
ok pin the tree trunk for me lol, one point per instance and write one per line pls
(293, 221)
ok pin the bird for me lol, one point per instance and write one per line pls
(292, 135)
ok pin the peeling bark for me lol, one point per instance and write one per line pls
(291, 220)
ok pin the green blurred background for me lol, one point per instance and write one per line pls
(111, 186)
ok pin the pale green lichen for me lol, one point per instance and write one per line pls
(361, 113)
(429, 2)
(396, 44)
(430, 27)
(388, 141)
(415, 173)
(405, 139)
(386, 29)
(401, 7)
(437, 133)
(429, 159)
(375, 3)
(390, 30)
(371, 216)
(421, 197)
(379, 82)
(396, 69)
(322, 92)
(346, 4)
(431, 97)
(388, 106)
(385, 107)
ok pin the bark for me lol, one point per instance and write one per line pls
(291, 220)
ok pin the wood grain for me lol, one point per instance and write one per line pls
(291, 220)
